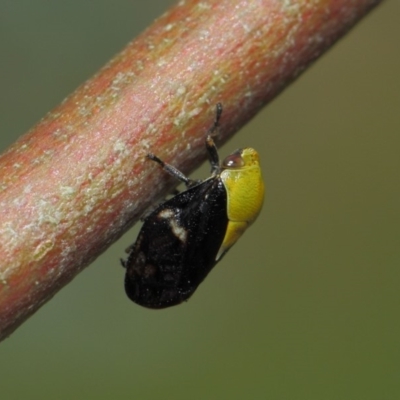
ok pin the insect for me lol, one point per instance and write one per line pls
(185, 236)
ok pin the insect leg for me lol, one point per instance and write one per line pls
(212, 155)
(172, 170)
(215, 126)
(210, 145)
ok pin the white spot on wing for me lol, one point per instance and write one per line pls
(166, 214)
(176, 229)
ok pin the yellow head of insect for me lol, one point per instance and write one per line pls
(241, 175)
(244, 185)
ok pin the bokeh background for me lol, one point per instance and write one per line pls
(305, 306)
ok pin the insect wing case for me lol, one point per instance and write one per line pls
(177, 246)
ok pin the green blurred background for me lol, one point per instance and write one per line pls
(305, 306)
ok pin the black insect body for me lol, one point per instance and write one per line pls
(184, 237)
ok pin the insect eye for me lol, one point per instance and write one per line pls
(234, 160)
